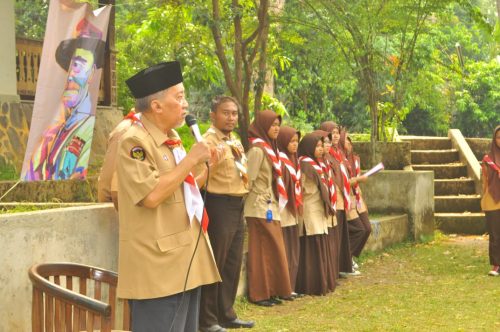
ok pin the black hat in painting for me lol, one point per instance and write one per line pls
(88, 37)
(155, 78)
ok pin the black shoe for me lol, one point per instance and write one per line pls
(264, 303)
(275, 300)
(238, 324)
(287, 298)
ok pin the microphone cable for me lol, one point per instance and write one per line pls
(183, 298)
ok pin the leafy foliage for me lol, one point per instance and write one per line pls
(420, 66)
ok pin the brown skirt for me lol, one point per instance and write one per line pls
(267, 267)
(312, 278)
(493, 227)
(333, 258)
(292, 248)
(345, 258)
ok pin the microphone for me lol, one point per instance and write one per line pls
(193, 125)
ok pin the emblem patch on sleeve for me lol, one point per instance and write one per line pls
(138, 153)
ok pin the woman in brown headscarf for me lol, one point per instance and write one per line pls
(267, 266)
(312, 277)
(358, 220)
(490, 202)
(288, 142)
(333, 229)
(341, 179)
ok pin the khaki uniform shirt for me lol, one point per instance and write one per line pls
(487, 201)
(155, 244)
(260, 185)
(107, 177)
(288, 219)
(356, 210)
(314, 220)
(224, 177)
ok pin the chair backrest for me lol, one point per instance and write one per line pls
(75, 297)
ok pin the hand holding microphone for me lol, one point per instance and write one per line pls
(214, 153)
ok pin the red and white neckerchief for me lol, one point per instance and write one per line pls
(240, 159)
(357, 172)
(295, 174)
(134, 117)
(346, 191)
(330, 184)
(320, 169)
(490, 162)
(192, 196)
(283, 196)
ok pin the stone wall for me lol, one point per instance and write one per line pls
(15, 121)
(479, 146)
(51, 191)
(394, 155)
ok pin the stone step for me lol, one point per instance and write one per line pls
(434, 156)
(460, 223)
(457, 203)
(444, 171)
(427, 142)
(445, 187)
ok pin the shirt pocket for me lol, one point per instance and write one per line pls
(174, 241)
(176, 196)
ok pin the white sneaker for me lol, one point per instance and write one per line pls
(355, 265)
(495, 271)
(354, 273)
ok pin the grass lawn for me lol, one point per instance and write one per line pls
(438, 286)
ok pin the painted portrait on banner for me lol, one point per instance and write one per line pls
(66, 98)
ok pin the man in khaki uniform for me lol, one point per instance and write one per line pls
(226, 188)
(164, 257)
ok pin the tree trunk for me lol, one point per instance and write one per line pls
(498, 9)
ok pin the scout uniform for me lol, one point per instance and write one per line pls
(267, 266)
(490, 201)
(164, 257)
(156, 245)
(226, 187)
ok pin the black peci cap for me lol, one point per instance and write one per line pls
(155, 78)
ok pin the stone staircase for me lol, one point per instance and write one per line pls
(456, 203)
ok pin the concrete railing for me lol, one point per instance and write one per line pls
(407, 192)
(467, 157)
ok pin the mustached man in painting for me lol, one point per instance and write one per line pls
(64, 149)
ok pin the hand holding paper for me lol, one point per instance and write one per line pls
(377, 168)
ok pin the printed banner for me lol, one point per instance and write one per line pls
(67, 90)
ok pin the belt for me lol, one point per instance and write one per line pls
(222, 196)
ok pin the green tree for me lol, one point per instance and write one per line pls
(168, 31)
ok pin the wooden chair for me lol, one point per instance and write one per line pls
(69, 297)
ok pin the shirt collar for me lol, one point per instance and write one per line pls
(220, 135)
(158, 136)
